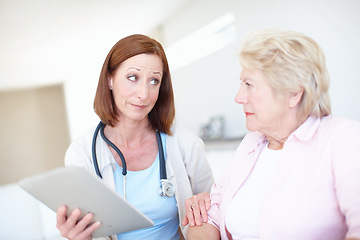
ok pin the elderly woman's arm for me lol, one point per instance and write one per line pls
(204, 232)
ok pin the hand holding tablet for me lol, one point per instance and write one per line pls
(76, 187)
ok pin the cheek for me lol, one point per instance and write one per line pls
(274, 111)
(121, 95)
(124, 90)
(154, 94)
(261, 104)
(117, 94)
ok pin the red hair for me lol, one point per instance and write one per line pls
(163, 113)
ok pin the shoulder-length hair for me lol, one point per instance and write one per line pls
(163, 113)
(291, 62)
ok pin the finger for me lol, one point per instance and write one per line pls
(203, 211)
(189, 217)
(67, 228)
(197, 214)
(66, 225)
(84, 222)
(194, 217)
(207, 201)
(73, 218)
(204, 204)
(84, 229)
(78, 229)
(185, 221)
(89, 230)
(61, 216)
(207, 205)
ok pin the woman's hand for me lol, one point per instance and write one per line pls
(196, 209)
(72, 227)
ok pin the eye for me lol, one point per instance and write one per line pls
(154, 81)
(132, 78)
(246, 83)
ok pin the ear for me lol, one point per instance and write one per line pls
(110, 82)
(295, 98)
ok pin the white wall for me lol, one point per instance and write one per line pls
(208, 86)
(47, 42)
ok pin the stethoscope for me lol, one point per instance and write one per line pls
(166, 188)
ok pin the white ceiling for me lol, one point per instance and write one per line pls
(39, 38)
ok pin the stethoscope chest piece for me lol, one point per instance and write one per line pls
(166, 188)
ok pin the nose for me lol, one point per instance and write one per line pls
(240, 97)
(143, 90)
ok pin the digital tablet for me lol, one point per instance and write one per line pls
(76, 187)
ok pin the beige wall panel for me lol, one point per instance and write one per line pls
(34, 132)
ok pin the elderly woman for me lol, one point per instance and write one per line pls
(296, 175)
(135, 103)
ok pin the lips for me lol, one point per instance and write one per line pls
(138, 106)
(247, 114)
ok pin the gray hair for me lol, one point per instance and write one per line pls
(290, 61)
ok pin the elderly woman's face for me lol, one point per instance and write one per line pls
(265, 112)
(135, 86)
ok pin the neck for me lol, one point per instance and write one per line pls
(278, 138)
(276, 144)
(126, 133)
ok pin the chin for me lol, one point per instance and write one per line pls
(250, 127)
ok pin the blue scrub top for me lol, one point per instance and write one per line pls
(142, 191)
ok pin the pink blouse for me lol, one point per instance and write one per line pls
(315, 191)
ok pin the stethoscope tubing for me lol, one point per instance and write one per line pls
(166, 188)
(100, 127)
(161, 157)
(93, 150)
(117, 150)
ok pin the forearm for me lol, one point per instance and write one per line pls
(204, 232)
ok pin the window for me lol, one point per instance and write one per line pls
(202, 42)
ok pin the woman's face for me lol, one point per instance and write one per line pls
(135, 86)
(265, 112)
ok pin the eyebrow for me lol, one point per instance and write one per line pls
(246, 79)
(138, 69)
(157, 73)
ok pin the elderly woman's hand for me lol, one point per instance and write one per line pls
(196, 209)
(72, 227)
